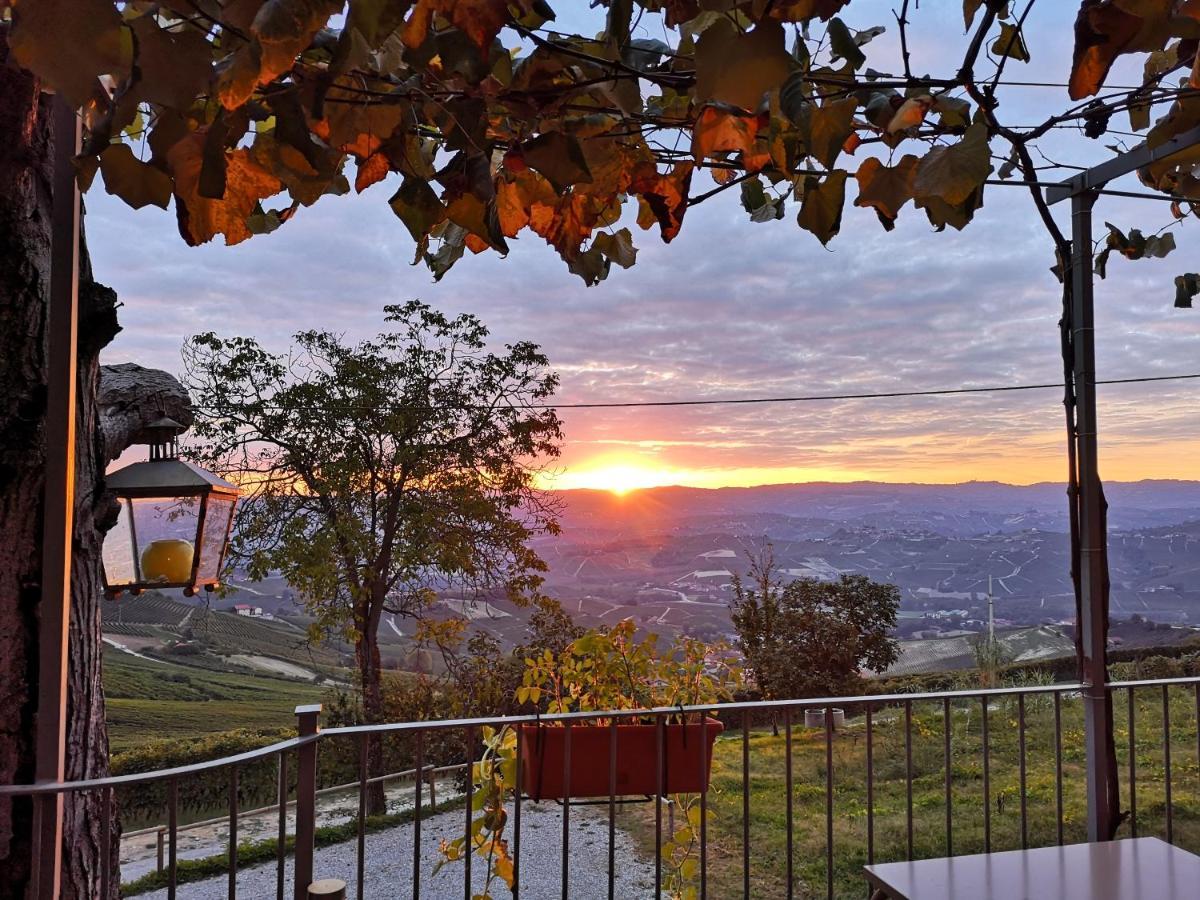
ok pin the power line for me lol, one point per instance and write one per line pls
(879, 395)
(746, 401)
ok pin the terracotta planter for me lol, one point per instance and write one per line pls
(542, 757)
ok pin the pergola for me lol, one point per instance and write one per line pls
(1082, 190)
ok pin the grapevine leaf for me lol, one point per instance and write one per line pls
(821, 208)
(174, 66)
(953, 173)
(1011, 43)
(726, 130)
(831, 124)
(203, 218)
(843, 45)
(886, 188)
(617, 247)
(137, 183)
(737, 68)
(665, 196)
(557, 156)
(70, 43)
(1187, 286)
(1105, 29)
(418, 207)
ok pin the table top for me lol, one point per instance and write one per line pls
(1116, 870)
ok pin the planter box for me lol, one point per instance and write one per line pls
(542, 750)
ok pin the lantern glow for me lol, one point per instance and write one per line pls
(173, 522)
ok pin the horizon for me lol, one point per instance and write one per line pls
(864, 482)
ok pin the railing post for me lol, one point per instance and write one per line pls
(1093, 561)
(306, 798)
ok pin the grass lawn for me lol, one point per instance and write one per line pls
(148, 701)
(768, 795)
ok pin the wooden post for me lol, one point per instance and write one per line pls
(54, 610)
(306, 799)
(432, 789)
(1093, 569)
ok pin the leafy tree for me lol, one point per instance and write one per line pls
(380, 472)
(811, 638)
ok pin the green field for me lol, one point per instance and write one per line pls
(149, 701)
(768, 793)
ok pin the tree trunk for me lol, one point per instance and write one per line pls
(25, 200)
(370, 673)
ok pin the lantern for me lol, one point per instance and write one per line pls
(174, 521)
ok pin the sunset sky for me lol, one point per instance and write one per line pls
(734, 309)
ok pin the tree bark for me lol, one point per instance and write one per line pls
(104, 429)
(370, 673)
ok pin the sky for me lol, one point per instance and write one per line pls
(734, 309)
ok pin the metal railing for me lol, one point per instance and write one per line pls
(909, 721)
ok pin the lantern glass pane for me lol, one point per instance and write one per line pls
(166, 530)
(212, 543)
(120, 550)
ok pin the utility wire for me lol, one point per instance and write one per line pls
(745, 401)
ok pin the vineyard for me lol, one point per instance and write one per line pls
(217, 634)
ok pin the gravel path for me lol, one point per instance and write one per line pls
(389, 862)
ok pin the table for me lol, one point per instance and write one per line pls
(1137, 869)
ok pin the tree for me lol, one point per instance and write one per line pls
(498, 124)
(380, 472)
(812, 638)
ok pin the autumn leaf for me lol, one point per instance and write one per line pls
(911, 113)
(70, 43)
(203, 218)
(617, 247)
(1105, 29)
(515, 197)
(371, 170)
(480, 20)
(1187, 286)
(886, 188)
(174, 66)
(559, 157)
(721, 129)
(664, 195)
(1135, 245)
(479, 218)
(1011, 43)
(418, 207)
(738, 68)
(843, 45)
(956, 215)
(953, 173)
(281, 29)
(137, 183)
(821, 207)
(830, 126)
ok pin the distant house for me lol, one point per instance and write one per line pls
(245, 609)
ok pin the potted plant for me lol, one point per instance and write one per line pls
(604, 670)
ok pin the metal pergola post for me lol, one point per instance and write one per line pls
(1092, 626)
(54, 610)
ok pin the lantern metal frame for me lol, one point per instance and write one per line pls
(166, 477)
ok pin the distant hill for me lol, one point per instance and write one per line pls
(968, 508)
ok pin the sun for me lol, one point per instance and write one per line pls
(619, 478)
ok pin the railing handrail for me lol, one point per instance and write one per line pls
(575, 716)
(738, 706)
(91, 784)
